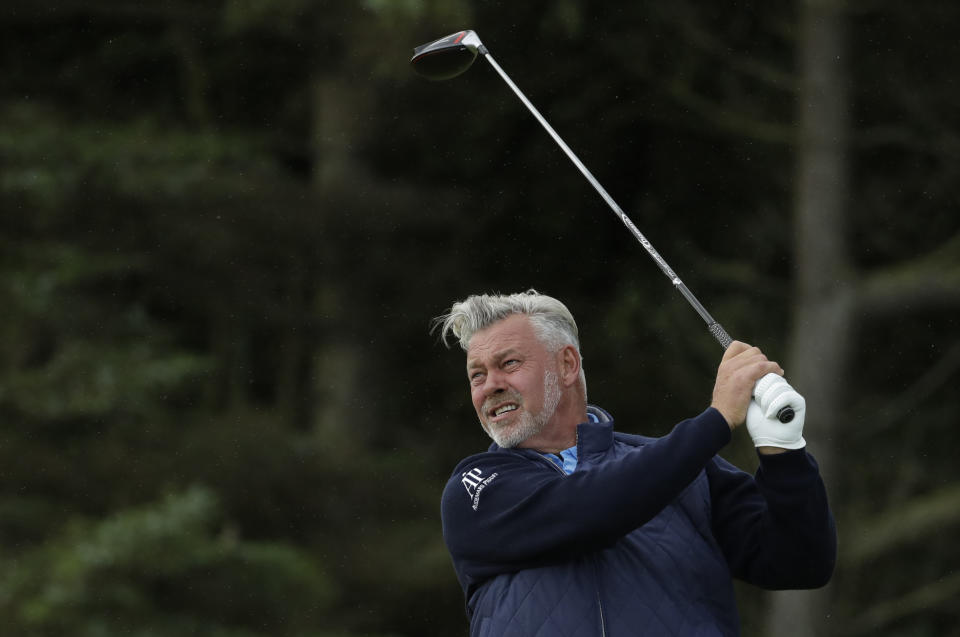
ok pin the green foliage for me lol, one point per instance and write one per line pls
(62, 358)
(169, 568)
(87, 380)
(49, 161)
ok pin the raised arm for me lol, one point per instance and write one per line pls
(776, 528)
(532, 511)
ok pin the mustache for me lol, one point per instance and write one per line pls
(510, 395)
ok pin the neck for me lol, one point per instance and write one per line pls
(561, 432)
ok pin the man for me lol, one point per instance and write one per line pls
(567, 528)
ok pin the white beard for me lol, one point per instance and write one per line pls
(528, 425)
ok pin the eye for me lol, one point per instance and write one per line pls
(476, 377)
(513, 362)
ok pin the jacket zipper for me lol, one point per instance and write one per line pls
(554, 465)
(596, 568)
(603, 623)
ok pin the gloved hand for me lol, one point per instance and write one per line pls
(771, 394)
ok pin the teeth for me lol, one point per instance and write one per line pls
(504, 409)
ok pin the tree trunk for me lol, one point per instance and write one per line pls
(824, 293)
(339, 106)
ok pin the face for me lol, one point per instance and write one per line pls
(514, 382)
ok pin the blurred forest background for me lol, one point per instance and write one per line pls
(225, 227)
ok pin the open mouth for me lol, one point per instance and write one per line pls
(503, 409)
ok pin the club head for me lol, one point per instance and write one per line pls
(447, 57)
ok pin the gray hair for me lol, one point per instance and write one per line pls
(552, 321)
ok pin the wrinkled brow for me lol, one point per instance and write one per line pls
(475, 362)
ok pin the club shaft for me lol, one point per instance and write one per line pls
(715, 328)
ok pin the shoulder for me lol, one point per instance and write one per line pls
(709, 425)
(480, 468)
(493, 458)
(633, 440)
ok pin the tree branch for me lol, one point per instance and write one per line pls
(745, 64)
(731, 121)
(931, 281)
(917, 518)
(943, 591)
(935, 377)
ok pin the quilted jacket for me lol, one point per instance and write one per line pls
(642, 538)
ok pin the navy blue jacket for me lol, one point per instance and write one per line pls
(643, 538)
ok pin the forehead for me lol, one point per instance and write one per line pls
(514, 333)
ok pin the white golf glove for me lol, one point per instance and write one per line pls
(771, 394)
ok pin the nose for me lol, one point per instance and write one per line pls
(495, 383)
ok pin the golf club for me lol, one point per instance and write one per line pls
(452, 55)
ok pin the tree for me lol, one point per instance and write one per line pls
(836, 301)
(167, 568)
(823, 309)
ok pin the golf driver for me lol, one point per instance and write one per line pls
(451, 56)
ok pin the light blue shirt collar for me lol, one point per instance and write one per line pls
(567, 459)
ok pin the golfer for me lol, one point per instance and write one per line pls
(566, 527)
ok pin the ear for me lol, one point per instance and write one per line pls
(569, 359)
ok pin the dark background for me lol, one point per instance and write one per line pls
(226, 226)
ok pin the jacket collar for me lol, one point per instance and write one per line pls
(593, 436)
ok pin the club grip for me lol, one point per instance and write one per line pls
(720, 334)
